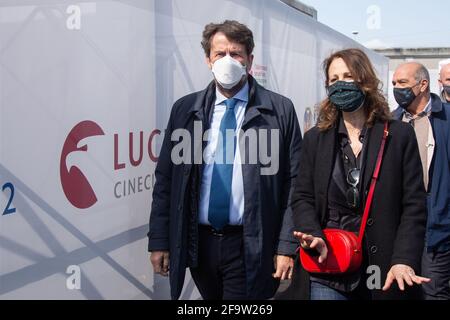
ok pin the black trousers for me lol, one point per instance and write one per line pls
(436, 265)
(220, 274)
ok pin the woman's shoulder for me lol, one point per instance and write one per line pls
(313, 132)
(310, 139)
(401, 133)
(313, 135)
(401, 128)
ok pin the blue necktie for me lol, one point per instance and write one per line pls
(220, 192)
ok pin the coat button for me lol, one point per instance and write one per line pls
(180, 207)
(373, 249)
(186, 171)
(370, 222)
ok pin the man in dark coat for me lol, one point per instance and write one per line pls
(430, 118)
(230, 222)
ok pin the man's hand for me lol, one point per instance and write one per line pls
(401, 272)
(308, 241)
(160, 262)
(284, 266)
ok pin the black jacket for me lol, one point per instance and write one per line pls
(396, 226)
(267, 219)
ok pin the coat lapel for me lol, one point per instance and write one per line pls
(199, 113)
(324, 163)
(257, 102)
(373, 147)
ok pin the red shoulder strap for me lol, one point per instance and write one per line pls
(372, 186)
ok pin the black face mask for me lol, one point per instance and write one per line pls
(446, 90)
(404, 96)
(346, 96)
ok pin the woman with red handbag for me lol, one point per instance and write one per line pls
(359, 202)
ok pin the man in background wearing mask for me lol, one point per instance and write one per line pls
(431, 121)
(444, 82)
(225, 220)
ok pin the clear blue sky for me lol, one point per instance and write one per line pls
(399, 23)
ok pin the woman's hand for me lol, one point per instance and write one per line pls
(308, 241)
(402, 272)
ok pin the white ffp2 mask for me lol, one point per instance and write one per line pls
(228, 71)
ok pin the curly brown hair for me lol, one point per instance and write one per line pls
(376, 106)
(233, 30)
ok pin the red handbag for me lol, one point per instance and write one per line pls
(344, 247)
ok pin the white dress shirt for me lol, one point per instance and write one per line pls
(237, 184)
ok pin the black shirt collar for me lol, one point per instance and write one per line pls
(343, 133)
